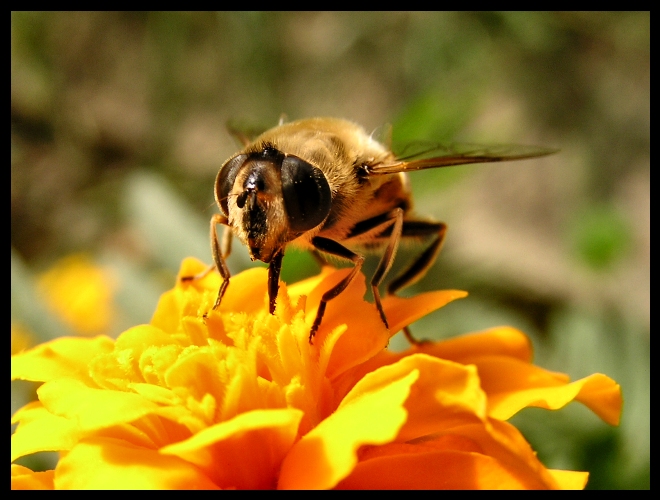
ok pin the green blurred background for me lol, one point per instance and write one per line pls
(118, 130)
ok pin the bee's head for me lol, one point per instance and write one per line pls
(271, 198)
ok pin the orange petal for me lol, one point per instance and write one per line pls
(366, 334)
(465, 349)
(436, 470)
(499, 341)
(484, 455)
(445, 394)
(402, 312)
(245, 452)
(307, 286)
(328, 453)
(512, 385)
(63, 357)
(23, 478)
(111, 464)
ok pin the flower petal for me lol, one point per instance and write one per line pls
(512, 385)
(63, 357)
(40, 430)
(570, 479)
(23, 478)
(402, 312)
(366, 334)
(488, 455)
(450, 470)
(93, 409)
(328, 453)
(499, 341)
(107, 464)
(445, 394)
(221, 451)
(307, 286)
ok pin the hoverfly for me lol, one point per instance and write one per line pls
(325, 184)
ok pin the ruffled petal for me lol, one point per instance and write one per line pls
(445, 393)
(485, 455)
(93, 409)
(402, 312)
(499, 341)
(328, 453)
(63, 357)
(40, 430)
(512, 385)
(222, 452)
(23, 478)
(366, 334)
(109, 464)
(435, 470)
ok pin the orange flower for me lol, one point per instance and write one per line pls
(237, 398)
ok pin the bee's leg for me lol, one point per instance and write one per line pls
(419, 267)
(220, 253)
(274, 280)
(199, 276)
(395, 221)
(332, 247)
(387, 259)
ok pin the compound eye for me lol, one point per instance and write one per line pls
(224, 182)
(306, 193)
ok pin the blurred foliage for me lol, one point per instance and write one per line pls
(118, 130)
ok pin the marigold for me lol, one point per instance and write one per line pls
(237, 398)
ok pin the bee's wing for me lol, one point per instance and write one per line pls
(420, 156)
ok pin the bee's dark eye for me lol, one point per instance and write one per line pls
(306, 194)
(225, 180)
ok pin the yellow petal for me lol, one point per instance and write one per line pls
(570, 479)
(40, 430)
(244, 452)
(93, 408)
(251, 284)
(111, 464)
(23, 478)
(63, 357)
(328, 453)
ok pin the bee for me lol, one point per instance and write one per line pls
(326, 185)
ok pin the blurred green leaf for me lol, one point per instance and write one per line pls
(601, 236)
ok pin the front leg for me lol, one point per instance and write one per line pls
(221, 253)
(274, 269)
(332, 247)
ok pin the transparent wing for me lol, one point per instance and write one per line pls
(420, 156)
